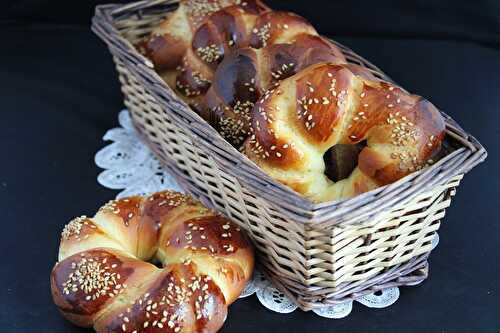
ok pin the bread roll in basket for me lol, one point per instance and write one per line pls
(259, 86)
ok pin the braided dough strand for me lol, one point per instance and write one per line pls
(102, 278)
(327, 104)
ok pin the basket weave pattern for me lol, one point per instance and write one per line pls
(317, 254)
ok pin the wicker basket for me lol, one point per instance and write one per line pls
(317, 254)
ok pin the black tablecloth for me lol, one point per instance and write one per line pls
(59, 94)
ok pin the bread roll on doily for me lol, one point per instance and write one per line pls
(103, 278)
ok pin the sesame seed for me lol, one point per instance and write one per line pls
(209, 54)
(91, 276)
(263, 33)
(74, 228)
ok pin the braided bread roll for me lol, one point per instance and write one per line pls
(187, 46)
(169, 41)
(278, 45)
(246, 74)
(327, 104)
(288, 43)
(102, 278)
(223, 31)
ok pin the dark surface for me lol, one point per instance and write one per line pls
(59, 95)
(453, 19)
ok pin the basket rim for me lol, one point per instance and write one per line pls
(456, 163)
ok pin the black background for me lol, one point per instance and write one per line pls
(59, 94)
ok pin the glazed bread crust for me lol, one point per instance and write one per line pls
(285, 96)
(296, 123)
(221, 56)
(103, 278)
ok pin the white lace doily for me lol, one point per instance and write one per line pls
(131, 167)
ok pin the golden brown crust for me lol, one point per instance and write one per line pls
(165, 51)
(275, 27)
(361, 71)
(269, 146)
(222, 32)
(250, 46)
(81, 234)
(84, 284)
(301, 51)
(246, 74)
(328, 104)
(167, 43)
(157, 209)
(230, 100)
(210, 234)
(102, 280)
(218, 248)
(179, 300)
(321, 103)
(122, 216)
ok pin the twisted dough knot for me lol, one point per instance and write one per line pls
(169, 41)
(275, 45)
(245, 75)
(225, 59)
(103, 280)
(327, 104)
(187, 47)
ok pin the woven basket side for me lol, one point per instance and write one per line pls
(353, 261)
(356, 253)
